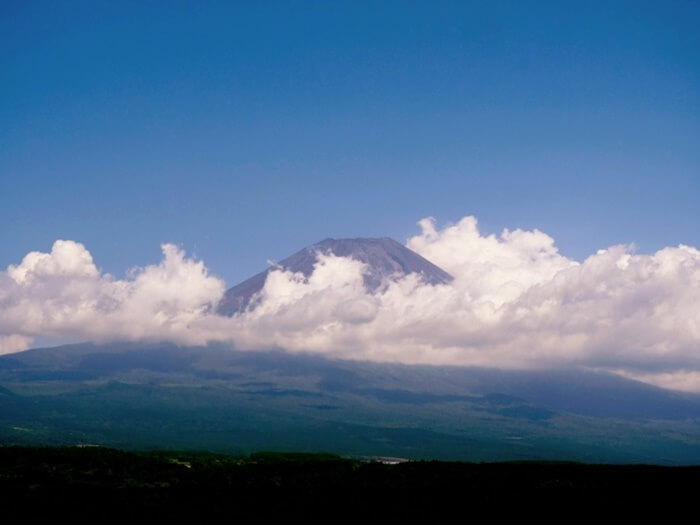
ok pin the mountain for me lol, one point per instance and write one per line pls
(222, 400)
(385, 259)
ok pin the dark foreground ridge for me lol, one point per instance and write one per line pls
(385, 258)
(34, 468)
(101, 482)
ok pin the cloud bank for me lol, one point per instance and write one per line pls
(515, 302)
(62, 294)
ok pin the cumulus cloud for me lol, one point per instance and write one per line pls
(515, 302)
(63, 294)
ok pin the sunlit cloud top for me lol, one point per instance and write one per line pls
(515, 302)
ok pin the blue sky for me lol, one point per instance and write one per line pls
(244, 131)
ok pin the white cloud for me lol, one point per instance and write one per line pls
(488, 268)
(67, 259)
(515, 302)
(62, 294)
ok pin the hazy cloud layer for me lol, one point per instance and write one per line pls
(514, 302)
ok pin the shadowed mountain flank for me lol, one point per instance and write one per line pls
(159, 395)
(385, 259)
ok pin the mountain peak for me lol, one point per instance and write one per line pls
(384, 258)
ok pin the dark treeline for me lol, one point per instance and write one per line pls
(96, 482)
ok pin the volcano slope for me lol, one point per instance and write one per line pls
(384, 258)
(138, 396)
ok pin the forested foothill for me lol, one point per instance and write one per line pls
(105, 484)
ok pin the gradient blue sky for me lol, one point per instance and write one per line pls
(244, 131)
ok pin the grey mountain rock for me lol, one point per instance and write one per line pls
(385, 259)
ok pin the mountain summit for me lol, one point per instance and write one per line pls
(385, 258)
